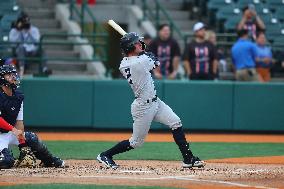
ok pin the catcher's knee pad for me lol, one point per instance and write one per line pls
(136, 143)
(6, 159)
(32, 140)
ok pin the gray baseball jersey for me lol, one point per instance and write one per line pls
(146, 107)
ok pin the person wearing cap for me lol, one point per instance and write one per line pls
(244, 54)
(251, 21)
(200, 56)
(168, 52)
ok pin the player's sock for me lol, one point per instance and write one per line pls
(120, 147)
(180, 140)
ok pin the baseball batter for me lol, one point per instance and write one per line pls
(12, 127)
(146, 107)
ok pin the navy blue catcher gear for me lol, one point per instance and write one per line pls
(6, 159)
(9, 69)
(128, 41)
(41, 152)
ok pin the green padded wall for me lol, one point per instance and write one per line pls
(105, 104)
(112, 101)
(259, 106)
(201, 105)
(58, 102)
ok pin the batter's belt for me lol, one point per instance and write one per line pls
(151, 100)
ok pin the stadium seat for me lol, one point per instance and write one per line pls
(231, 24)
(262, 9)
(6, 22)
(279, 43)
(273, 32)
(8, 7)
(217, 4)
(228, 12)
(269, 19)
(243, 3)
(275, 4)
(279, 13)
(213, 6)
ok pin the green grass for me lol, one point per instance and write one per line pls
(79, 186)
(165, 150)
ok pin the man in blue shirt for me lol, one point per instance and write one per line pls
(243, 56)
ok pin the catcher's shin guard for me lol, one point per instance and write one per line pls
(41, 152)
(180, 140)
(6, 159)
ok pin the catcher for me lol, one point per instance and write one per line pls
(12, 127)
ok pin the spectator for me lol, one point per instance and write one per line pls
(200, 56)
(168, 52)
(251, 21)
(222, 63)
(28, 36)
(243, 56)
(263, 58)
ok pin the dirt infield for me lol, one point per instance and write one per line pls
(256, 172)
(153, 173)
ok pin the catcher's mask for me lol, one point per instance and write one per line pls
(10, 72)
(128, 41)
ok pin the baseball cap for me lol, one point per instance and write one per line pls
(198, 26)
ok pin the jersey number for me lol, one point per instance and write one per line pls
(128, 75)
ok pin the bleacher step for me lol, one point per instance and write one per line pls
(67, 66)
(61, 53)
(58, 47)
(36, 4)
(40, 13)
(45, 23)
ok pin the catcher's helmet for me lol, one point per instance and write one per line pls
(9, 69)
(128, 41)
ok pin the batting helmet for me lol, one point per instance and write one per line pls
(128, 41)
(9, 69)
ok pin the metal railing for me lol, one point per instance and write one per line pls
(44, 41)
(82, 12)
(156, 14)
(98, 34)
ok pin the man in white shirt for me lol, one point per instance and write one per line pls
(28, 37)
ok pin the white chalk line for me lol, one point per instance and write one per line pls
(129, 171)
(187, 178)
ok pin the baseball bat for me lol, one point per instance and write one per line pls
(115, 26)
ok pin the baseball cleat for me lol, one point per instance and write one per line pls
(107, 161)
(194, 162)
(56, 162)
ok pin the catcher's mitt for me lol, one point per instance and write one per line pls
(26, 158)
